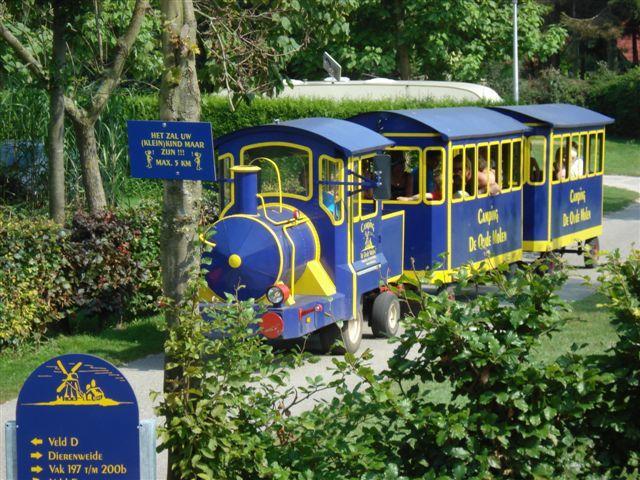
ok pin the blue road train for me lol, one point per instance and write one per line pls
(319, 216)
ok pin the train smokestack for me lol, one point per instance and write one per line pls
(245, 180)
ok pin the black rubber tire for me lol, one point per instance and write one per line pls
(330, 334)
(385, 315)
(591, 256)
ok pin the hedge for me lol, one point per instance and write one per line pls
(101, 266)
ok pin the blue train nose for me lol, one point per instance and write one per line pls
(247, 257)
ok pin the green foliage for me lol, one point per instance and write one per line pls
(507, 414)
(607, 92)
(227, 397)
(618, 96)
(32, 291)
(98, 265)
(458, 39)
(91, 40)
(614, 424)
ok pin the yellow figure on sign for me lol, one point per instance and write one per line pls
(198, 156)
(149, 158)
(69, 392)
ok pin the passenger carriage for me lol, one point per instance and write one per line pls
(563, 192)
(303, 230)
(450, 225)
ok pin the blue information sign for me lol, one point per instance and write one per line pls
(77, 418)
(171, 150)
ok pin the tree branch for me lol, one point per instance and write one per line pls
(34, 66)
(111, 76)
(24, 54)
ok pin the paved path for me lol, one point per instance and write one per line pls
(621, 230)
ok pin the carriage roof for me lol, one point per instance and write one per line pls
(557, 115)
(452, 123)
(349, 138)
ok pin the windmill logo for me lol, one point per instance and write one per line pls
(70, 391)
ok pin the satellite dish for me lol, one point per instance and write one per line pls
(332, 67)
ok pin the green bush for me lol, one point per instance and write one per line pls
(500, 412)
(551, 86)
(610, 93)
(33, 290)
(615, 425)
(98, 266)
(619, 97)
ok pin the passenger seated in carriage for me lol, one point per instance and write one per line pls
(486, 177)
(576, 168)
(462, 189)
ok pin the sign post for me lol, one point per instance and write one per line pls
(77, 418)
(171, 150)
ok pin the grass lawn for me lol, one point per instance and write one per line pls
(116, 345)
(617, 198)
(586, 324)
(622, 157)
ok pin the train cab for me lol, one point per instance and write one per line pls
(303, 232)
(457, 174)
(564, 164)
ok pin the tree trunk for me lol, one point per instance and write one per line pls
(91, 177)
(55, 139)
(634, 47)
(179, 101)
(403, 62)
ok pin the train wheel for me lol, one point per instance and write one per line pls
(385, 315)
(350, 334)
(591, 256)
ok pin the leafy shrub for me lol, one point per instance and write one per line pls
(224, 401)
(619, 97)
(499, 412)
(99, 265)
(33, 290)
(615, 425)
(551, 86)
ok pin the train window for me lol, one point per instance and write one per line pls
(405, 174)
(293, 165)
(223, 169)
(574, 159)
(583, 152)
(494, 162)
(592, 164)
(486, 176)
(463, 181)
(332, 196)
(506, 162)
(561, 149)
(435, 177)
(536, 160)
(601, 147)
(516, 164)
(363, 204)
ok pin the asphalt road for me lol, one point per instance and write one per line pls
(621, 230)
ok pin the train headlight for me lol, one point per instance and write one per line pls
(278, 293)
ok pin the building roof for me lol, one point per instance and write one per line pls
(350, 138)
(452, 123)
(557, 115)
